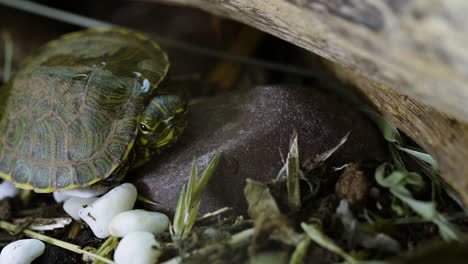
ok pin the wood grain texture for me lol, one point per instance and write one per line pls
(417, 47)
(445, 138)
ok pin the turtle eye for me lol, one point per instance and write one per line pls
(144, 128)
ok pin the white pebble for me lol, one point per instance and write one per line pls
(61, 196)
(7, 189)
(138, 221)
(99, 213)
(86, 192)
(137, 248)
(22, 251)
(73, 205)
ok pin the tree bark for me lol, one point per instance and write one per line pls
(415, 46)
(445, 138)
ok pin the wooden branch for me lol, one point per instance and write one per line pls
(445, 138)
(415, 46)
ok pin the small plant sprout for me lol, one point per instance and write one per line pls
(190, 199)
(396, 182)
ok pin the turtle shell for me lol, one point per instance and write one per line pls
(71, 114)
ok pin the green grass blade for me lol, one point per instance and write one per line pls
(421, 156)
(293, 175)
(323, 240)
(396, 182)
(300, 252)
(178, 222)
(206, 176)
(190, 199)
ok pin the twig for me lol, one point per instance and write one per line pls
(217, 212)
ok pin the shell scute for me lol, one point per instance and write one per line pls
(65, 176)
(103, 164)
(16, 134)
(23, 170)
(7, 162)
(107, 94)
(42, 176)
(125, 127)
(52, 133)
(84, 174)
(116, 147)
(67, 108)
(88, 134)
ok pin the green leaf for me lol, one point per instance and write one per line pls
(389, 132)
(421, 156)
(362, 235)
(206, 176)
(177, 226)
(396, 157)
(396, 182)
(301, 251)
(323, 240)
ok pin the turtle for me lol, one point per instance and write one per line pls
(86, 107)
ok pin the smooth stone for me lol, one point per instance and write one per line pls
(251, 129)
(22, 251)
(138, 221)
(99, 213)
(60, 196)
(73, 205)
(137, 248)
(7, 190)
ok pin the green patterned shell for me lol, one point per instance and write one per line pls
(70, 116)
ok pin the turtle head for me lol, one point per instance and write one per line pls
(162, 122)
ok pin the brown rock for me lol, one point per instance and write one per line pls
(353, 185)
(251, 128)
